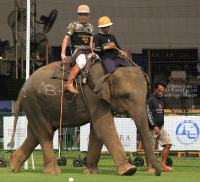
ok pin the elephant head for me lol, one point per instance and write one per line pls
(123, 89)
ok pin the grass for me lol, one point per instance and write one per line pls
(185, 171)
(108, 175)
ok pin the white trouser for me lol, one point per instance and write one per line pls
(81, 60)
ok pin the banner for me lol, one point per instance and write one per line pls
(21, 132)
(126, 130)
(183, 131)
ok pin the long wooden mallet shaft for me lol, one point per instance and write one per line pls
(61, 101)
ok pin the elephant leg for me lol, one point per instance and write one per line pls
(103, 124)
(17, 159)
(50, 161)
(110, 138)
(94, 152)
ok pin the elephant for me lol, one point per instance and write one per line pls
(123, 91)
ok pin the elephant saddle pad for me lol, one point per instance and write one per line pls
(83, 76)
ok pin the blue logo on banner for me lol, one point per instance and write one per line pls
(187, 132)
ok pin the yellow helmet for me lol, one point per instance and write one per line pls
(83, 9)
(104, 22)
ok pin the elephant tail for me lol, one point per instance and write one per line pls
(12, 142)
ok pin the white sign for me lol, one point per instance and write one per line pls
(21, 132)
(184, 132)
(126, 130)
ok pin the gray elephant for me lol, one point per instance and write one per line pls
(124, 92)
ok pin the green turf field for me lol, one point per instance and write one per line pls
(186, 170)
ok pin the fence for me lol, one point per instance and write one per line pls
(184, 152)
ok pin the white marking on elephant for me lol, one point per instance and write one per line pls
(41, 88)
(24, 89)
(48, 89)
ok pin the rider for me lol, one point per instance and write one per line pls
(105, 46)
(81, 34)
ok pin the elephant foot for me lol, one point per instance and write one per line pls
(51, 170)
(15, 165)
(92, 171)
(127, 169)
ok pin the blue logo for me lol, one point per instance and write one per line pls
(187, 132)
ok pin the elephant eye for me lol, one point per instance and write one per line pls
(126, 97)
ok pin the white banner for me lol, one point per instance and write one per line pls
(21, 132)
(183, 131)
(126, 130)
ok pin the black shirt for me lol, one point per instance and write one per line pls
(101, 40)
(155, 111)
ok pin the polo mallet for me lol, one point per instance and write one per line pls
(128, 58)
(61, 101)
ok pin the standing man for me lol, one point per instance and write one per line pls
(81, 34)
(155, 113)
(105, 44)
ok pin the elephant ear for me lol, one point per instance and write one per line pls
(102, 88)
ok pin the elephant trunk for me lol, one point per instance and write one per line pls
(143, 130)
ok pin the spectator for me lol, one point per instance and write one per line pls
(155, 113)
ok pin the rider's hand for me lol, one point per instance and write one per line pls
(63, 57)
(157, 130)
(93, 54)
(64, 60)
(112, 45)
(122, 53)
